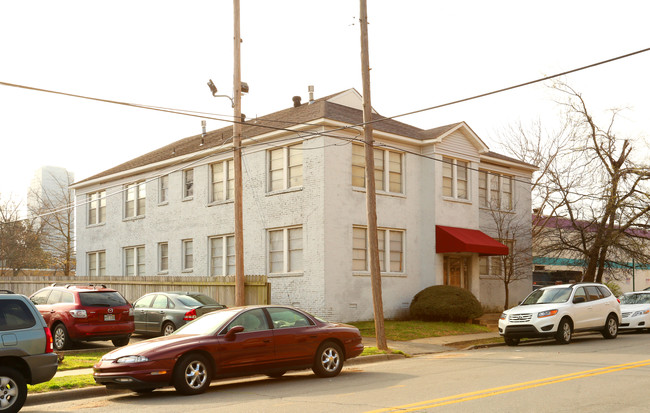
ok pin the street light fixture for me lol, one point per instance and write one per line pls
(213, 89)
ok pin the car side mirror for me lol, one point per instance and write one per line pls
(577, 300)
(230, 335)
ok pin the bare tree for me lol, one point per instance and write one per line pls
(20, 241)
(515, 232)
(53, 207)
(591, 194)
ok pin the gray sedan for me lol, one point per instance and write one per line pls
(161, 313)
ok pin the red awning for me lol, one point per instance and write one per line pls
(452, 239)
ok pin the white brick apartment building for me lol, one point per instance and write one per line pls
(171, 211)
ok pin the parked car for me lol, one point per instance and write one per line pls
(84, 313)
(26, 352)
(162, 313)
(232, 342)
(635, 310)
(561, 310)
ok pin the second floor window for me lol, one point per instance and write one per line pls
(285, 250)
(222, 185)
(188, 184)
(134, 261)
(285, 168)
(455, 178)
(495, 190)
(96, 208)
(135, 196)
(388, 169)
(96, 263)
(222, 255)
(163, 189)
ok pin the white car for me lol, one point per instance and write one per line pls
(560, 310)
(635, 310)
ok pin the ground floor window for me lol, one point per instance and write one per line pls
(456, 271)
(96, 263)
(285, 250)
(496, 265)
(134, 261)
(222, 255)
(391, 250)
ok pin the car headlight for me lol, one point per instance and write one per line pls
(547, 313)
(640, 312)
(131, 359)
(503, 316)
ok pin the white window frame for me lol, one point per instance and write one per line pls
(188, 184)
(163, 189)
(97, 204)
(139, 267)
(226, 255)
(94, 259)
(138, 191)
(188, 255)
(222, 190)
(163, 259)
(291, 176)
(490, 197)
(290, 250)
(385, 177)
(452, 164)
(385, 237)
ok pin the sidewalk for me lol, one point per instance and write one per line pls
(430, 344)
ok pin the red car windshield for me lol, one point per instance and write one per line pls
(208, 324)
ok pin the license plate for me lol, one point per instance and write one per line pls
(109, 317)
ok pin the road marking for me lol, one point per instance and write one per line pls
(510, 388)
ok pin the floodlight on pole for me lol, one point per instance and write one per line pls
(213, 89)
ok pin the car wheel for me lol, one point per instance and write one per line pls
(121, 342)
(13, 390)
(611, 327)
(511, 341)
(564, 331)
(192, 374)
(276, 374)
(168, 328)
(61, 338)
(328, 361)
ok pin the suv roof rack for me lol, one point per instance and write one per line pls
(7, 292)
(95, 286)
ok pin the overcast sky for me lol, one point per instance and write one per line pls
(422, 53)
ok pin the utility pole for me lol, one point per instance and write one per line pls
(371, 196)
(240, 297)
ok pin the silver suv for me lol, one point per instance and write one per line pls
(560, 310)
(26, 350)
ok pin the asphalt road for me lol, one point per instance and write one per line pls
(589, 375)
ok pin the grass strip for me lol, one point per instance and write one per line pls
(411, 330)
(63, 383)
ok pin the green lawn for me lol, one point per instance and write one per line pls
(410, 330)
(80, 360)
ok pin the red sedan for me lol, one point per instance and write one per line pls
(233, 342)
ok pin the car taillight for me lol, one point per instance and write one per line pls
(49, 343)
(131, 313)
(78, 313)
(190, 315)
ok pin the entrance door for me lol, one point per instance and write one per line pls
(456, 272)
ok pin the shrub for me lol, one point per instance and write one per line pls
(614, 288)
(445, 303)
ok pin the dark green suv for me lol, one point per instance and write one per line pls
(26, 350)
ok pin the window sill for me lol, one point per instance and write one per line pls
(188, 271)
(224, 202)
(459, 200)
(284, 191)
(505, 211)
(101, 224)
(286, 274)
(163, 272)
(133, 218)
(382, 193)
(189, 198)
(383, 274)
(163, 203)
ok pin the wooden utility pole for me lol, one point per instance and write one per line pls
(240, 297)
(371, 197)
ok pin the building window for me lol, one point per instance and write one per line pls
(163, 189)
(222, 186)
(391, 250)
(285, 250)
(96, 207)
(188, 184)
(285, 168)
(495, 191)
(222, 255)
(388, 169)
(188, 255)
(495, 265)
(96, 263)
(134, 200)
(134, 261)
(455, 178)
(163, 257)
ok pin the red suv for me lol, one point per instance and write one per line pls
(85, 313)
